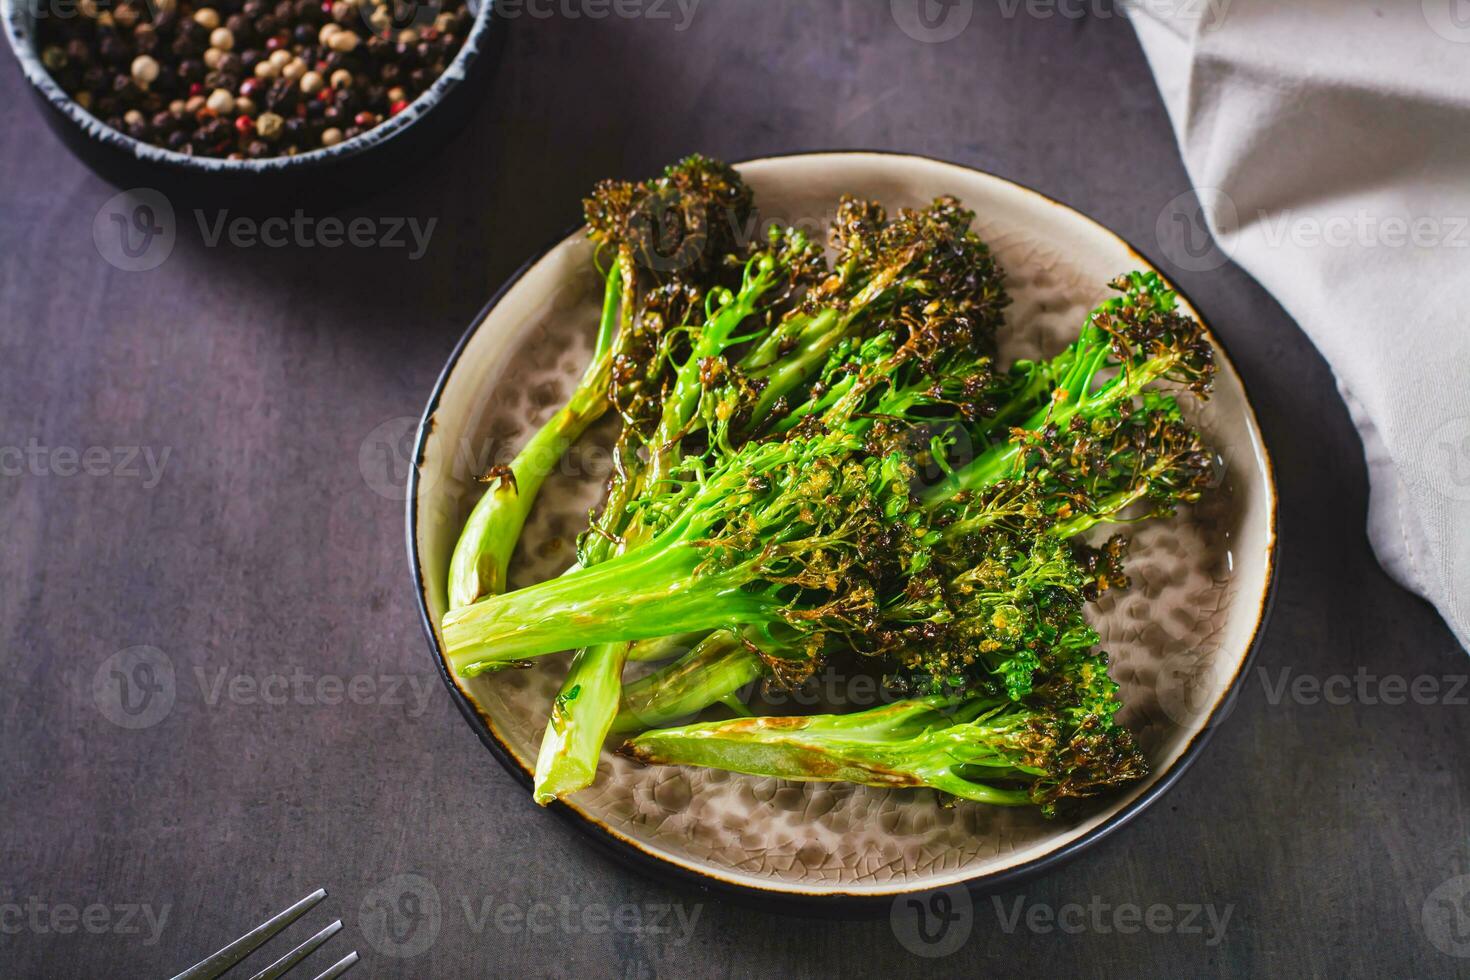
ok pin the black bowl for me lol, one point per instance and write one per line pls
(326, 177)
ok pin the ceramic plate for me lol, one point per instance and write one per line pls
(1180, 638)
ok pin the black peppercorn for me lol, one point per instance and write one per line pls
(218, 79)
(114, 51)
(243, 31)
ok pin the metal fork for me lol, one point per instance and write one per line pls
(216, 965)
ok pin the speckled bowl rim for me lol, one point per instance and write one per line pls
(828, 901)
(22, 43)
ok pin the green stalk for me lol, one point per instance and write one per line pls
(640, 595)
(482, 555)
(584, 710)
(665, 647)
(908, 744)
(710, 673)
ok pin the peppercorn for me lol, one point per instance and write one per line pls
(113, 50)
(184, 75)
(221, 101)
(144, 70)
(145, 39)
(269, 125)
(241, 30)
(331, 136)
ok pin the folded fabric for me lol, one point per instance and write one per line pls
(1328, 142)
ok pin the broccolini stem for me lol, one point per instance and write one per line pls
(907, 744)
(588, 702)
(715, 669)
(665, 647)
(640, 595)
(483, 552)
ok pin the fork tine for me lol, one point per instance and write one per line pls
(298, 954)
(340, 967)
(236, 951)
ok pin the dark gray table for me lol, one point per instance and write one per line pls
(260, 557)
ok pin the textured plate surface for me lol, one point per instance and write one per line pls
(1179, 638)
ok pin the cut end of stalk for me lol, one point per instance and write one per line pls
(564, 778)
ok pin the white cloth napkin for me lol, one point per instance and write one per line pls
(1328, 142)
